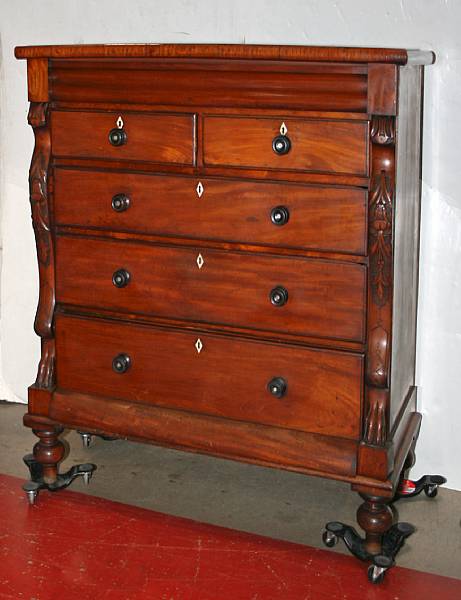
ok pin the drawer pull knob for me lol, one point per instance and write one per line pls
(120, 202)
(117, 137)
(279, 296)
(280, 215)
(281, 144)
(121, 278)
(121, 363)
(277, 387)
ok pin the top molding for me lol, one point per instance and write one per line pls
(237, 51)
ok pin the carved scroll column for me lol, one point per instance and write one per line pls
(38, 187)
(372, 461)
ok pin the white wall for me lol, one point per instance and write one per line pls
(426, 24)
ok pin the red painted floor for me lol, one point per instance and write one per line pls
(71, 546)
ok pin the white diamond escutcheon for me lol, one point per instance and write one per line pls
(200, 261)
(120, 122)
(283, 129)
(198, 345)
(200, 189)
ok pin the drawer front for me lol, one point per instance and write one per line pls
(158, 138)
(219, 83)
(325, 298)
(228, 378)
(228, 210)
(320, 145)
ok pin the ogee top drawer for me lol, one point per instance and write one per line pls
(288, 215)
(308, 145)
(158, 138)
(273, 293)
(282, 385)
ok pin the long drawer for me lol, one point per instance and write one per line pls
(288, 215)
(308, 145)
(286, 386)
(273, 293)
(208, 82)
(157, 138)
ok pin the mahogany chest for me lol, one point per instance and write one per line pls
(227, 242)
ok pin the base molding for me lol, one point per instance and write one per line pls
(39, 400)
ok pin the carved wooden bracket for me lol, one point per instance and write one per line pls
(382, 130)
(380, 291)
(38, 189)
(376, 419)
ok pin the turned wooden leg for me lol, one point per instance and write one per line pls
(382, 541)
(375, 517)
(49, 450)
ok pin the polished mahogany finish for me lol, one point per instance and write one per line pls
(154, 137)
(322, 395)
(252, 51)
(314, 145)
(211, 82)
(214, 209)
(324, 298)
(227, 238)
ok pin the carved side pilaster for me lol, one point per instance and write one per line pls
(380, 278)
(38, 188)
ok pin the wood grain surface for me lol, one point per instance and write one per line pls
(159, 138)
(316, 145)
(229, 51)
(227, 209)
(228, 378)
(325, 298)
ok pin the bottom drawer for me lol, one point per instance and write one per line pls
(312, 390)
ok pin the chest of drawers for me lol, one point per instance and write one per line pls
(227, 243)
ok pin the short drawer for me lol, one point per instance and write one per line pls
(287, 386)
(288, 215)
(282, 294)
(158, 138)
(314, 145)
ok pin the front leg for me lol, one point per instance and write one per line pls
(375, 517)
(382, 541)
(43, 464)
(48, 452)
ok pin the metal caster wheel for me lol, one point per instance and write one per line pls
(63, 480)
(329, 539)
(429, 484)
(31, 488)
(381, 563)
(431, 491)
(86, 472)
(376, 574)
(87, 438)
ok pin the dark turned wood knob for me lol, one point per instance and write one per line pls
(121, 278)
(120, 202)
(121, 363)
(281, 144)
(279, 296)
(117, 137)
(277, 387)
(280, 215)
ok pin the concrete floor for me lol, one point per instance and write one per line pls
(259, 500)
